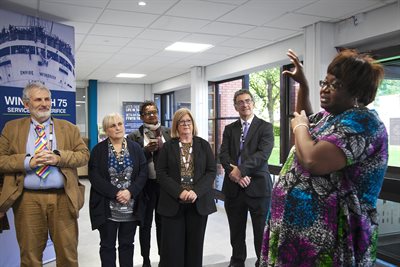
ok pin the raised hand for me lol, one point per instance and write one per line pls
(298, 73)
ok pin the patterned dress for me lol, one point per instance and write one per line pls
(330, 220)
(120, 170)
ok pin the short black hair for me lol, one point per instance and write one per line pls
(145, 104)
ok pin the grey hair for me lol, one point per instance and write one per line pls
(242, 92)
(27, 90)
(110, 119)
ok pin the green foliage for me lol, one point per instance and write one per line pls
(394, 155)
(274, 157)
(264, 85)
(277, 130)
(389, 87)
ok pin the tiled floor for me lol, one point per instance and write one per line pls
(217, 249)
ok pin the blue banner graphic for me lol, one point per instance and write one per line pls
(12, 107)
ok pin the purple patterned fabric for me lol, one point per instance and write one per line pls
(330, 220)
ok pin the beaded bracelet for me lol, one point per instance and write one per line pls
(300, 124)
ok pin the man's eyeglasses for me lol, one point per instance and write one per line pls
(187, 122)
(243, 102)
(331, 86)
(150, 113)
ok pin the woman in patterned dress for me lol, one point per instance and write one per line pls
(117, 173)
(323, 209)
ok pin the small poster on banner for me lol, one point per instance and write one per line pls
(131, 114)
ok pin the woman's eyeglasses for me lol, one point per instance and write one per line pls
(187, 122)
(335, 85)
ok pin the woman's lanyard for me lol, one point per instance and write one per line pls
(185, 160)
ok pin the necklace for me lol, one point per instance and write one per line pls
(185, 160)
(118, 156)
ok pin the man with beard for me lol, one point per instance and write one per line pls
(151, 136)
(39, 155)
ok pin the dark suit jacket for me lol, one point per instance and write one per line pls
(102, 190)
(169, 175)
(137, 136)
(256, 150)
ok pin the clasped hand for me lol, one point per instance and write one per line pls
(188, 196)
(44, 157)
(236, 176)
(152, 146)
(123, 196)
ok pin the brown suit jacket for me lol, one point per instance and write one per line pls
(73, 152)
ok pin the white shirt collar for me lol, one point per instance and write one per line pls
(248, 121)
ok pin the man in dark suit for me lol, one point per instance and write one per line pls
(39, 156)
(246, 146)
(150, 136)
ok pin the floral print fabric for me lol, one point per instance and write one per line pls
(330, 220)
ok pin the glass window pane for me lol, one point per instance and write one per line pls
(211, 101)
(387, 104)
(226, 91)
(265, 87)
(220, 170)
(211, 117)
(81, 111)
(389, 229)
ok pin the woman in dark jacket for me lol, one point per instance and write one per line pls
(118, 173)
(186, 169)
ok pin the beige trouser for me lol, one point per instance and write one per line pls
(38, 213)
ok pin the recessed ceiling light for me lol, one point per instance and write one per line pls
(130, 75)
(188, 47)
(141, 3)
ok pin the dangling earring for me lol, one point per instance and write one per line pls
(356, 105)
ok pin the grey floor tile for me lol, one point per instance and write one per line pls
(217, 249)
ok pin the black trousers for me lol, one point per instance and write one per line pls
(237, 210)
(183, 238)
(126, 238)
(152, 189)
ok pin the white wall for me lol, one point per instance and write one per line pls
(111, 95)
(182, 95)
(373, 25)
(256, 60)
(175, 83)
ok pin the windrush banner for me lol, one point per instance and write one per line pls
(33, 50)
(36, 50)
(12, 107)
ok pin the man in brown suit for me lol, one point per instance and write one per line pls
(39, 156)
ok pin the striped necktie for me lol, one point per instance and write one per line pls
(41, 144)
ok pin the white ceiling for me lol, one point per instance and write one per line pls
(113, 36)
